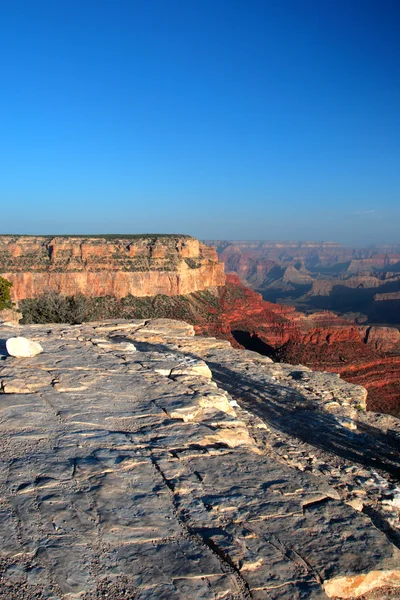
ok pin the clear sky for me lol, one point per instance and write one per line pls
(236, 119)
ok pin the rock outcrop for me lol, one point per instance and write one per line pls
(379, 260)
(324, 288)
(139, 461)
(387, 296)
(384, 339)
(114, 265)
(299, 276)
(366, 355)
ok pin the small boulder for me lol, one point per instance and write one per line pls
(21, 347)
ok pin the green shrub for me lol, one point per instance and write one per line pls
(5, 298)
(54, 307)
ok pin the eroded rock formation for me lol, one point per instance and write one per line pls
(139, 461)
(184, 271)
(102, 266)
(387, 296)
(384, 339)
(244, 257)
(363, 282)
(366, 355)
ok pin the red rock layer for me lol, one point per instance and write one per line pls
(387, 296)
(321, 341)
(240, 308)
(381, 377)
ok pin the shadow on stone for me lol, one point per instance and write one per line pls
(369, 446)
(251, 341)
(3, 351)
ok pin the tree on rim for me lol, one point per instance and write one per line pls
(5, 297)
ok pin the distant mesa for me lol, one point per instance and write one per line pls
(143, 265)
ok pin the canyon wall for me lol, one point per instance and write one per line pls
(101, 266)
(387, 296)
(358, 283)
(312, 254)
(364, 355)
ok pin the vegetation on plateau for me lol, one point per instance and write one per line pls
(5, 298)
(57, 308)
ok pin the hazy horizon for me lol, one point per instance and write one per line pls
(223, 120)
(203, 239)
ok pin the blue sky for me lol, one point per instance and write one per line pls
(222, 119)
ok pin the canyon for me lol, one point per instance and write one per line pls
(367, 355)
(361, 283)
(178, 277)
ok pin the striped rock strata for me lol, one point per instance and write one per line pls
(101, 266)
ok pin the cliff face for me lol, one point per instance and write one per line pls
(378, 261)
(140, 461)
(312, 254)
(369, 356)
(363, 283)
(96, 266)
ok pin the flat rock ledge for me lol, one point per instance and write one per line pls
(139, 461)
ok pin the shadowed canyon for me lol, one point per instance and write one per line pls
(178, 277)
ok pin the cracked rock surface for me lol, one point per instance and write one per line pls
(140, 462)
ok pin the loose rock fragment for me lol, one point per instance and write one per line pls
(21, 347)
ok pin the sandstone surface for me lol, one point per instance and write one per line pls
(102, 266)
(141, 461)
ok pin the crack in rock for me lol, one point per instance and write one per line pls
(115, 475)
